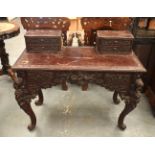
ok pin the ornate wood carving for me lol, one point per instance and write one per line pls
(53, 23)
(92, 24)
(131, 99)
(126, 86)
(23, 97)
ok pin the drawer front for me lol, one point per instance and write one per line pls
(111, 45)
(43, 44)
(115, 49)
(116, 42)
(42, 40)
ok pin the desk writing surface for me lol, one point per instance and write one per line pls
(78, 58)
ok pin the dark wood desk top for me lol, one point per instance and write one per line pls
(78, 58)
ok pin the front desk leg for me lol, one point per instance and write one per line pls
(131, 101)
(28, 110)
(23, 98)
(129, 106)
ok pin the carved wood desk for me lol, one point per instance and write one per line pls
(7, 30)
(81, 66)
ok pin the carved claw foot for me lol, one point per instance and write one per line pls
(115, 98)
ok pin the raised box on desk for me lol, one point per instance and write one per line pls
(43, 40)
(109, 41)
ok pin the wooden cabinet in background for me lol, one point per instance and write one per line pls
(144, 47)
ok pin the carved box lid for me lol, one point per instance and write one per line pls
(111, 34)
(43, 33)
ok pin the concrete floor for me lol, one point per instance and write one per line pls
(69, 113)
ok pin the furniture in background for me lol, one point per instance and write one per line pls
(144, 47)
(7, 30)
(39, 68)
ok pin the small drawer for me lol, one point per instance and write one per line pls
(43, 40)
(43, 47)
(43, 44)
(114, 41)
(114, 45)
(118, 49)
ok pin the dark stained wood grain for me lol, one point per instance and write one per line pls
(85, 58)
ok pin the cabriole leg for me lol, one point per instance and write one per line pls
(23, 97)
(132, 98)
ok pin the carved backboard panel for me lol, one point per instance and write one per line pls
(92, 24)
(54, 23)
